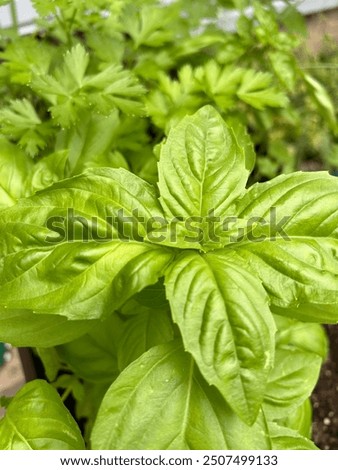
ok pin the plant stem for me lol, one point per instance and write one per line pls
(14, 15)
(65, 394)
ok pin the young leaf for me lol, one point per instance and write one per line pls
(182, 411)
(50, 361)
(36, 419)
(201, 168)
(148, 25)
(223, 315)
(287, 439)
(47, 171)
(290, 382)
(71, 92)
(23, 55)
(284, 66)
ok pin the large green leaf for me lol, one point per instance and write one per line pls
(303, 203)
(297, 273)
(56, 274)
(296, 251)
(102, 203)
(36, 419)
(79, 280)
(291, 381)
(93, 357)
(25, 328)
(161, 402)
(222, 312)
(202, 167)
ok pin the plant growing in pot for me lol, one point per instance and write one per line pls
(231, 258)
(192, 292)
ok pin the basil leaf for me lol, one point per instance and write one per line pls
(308, 337)
(223, 315)
(291, 381)
(142, 331)
(93, 357)
(78, 280)
(14, 170)
(36, 419)
(202, 167)
(297, 273)
(25, 328)
(161, 402)
(101, 204)
(305, 204)
(287, 439)
(299, 420)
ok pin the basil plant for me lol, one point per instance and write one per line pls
(180, 315)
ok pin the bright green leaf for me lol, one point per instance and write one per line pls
(14, 170)
(256, 90)
(290, 382)
(36, 419)
(223, 315)
(201, 168)
(25, 328)
(308, 201)
(297, 273)
(80, 281)
(50, 361)
(181, 412)
(287, 439)
(299, 420)
(309, 337)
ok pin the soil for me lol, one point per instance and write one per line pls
(325, 398)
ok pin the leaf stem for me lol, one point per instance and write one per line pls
(65, 394)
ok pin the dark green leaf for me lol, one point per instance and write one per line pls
(93, 356)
